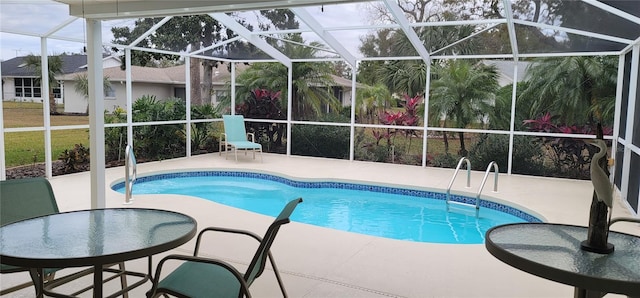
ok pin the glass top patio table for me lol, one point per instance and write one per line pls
(552, 251)
(93, 238)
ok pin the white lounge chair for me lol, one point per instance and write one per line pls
(235, 137)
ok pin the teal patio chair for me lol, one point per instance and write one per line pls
(204, 277)
(22, 199)
(235, 137)
(28, 198)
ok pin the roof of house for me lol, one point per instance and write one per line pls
(176, 75)
(16, 67)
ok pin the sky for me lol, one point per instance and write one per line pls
(40, 16)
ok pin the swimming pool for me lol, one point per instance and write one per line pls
(391, 212)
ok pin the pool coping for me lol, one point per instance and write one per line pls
(298, 182)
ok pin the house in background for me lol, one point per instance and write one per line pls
(21, 83)
(163, 83)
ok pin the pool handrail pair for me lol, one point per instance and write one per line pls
(491, 165)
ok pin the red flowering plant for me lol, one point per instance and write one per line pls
(264, 104)
(570, 156)
(407, 117)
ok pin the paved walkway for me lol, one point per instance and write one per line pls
(321, 262)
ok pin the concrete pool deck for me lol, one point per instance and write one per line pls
(321, 262)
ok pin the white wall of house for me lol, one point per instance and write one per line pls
(346, 97)
(73, 102)
(76, 103)
(111, 62)
(9, 89)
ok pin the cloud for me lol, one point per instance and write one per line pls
(341, 15)
(36, 20)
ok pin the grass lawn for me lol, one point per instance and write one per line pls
(24, 148)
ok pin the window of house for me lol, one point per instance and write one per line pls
(27, 87)
(18, 86)
(180, 92)
(57, 92)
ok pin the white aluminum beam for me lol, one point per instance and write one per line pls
(631, 117)
(215, 45)
(326, 36)
(96, 114)
(44, 90)
(352, 117)
(617, 112)
(613, 10)
(150, 31)
(465, 38)
(575, 31)
(425, 135)
(60, 26)
(512, 35)
(116, 9)
(3, 166)
(129, 96)
(408, 31)
(254, 39)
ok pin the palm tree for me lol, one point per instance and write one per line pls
(463, 93)
(404, 77)
(409, 76)
(311, 85)
(370, 100)
(578, 89)
(311, 81)
(55, 68)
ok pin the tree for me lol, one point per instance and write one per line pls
(579, 89)
(377, 44)
(370, 101)
(311, 85)
(184, 33)
(404, 76)
(55, 65)
(409, 76)
(311, 81)
(499, 116)
(281, 19)
(463, 93)
(415, 10)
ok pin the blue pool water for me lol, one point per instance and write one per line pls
(390, 212)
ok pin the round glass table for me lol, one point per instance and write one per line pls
(552, 251)
(95, 238)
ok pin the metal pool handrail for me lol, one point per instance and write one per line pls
(129, 179)
(455, 174)
(484, 179)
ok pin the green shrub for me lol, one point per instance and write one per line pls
(154, 142)
(76, 159)
(527, 155)
(446, 160)
(320, 141)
